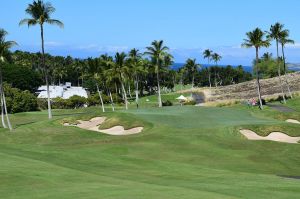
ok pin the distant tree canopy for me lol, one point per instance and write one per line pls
(26, 66)
(221, 76)
(21, 77)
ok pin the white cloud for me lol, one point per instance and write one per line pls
(53, 44)
(98, 48)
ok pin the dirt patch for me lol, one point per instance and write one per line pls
(274, 136)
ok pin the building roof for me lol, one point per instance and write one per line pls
(65, 91)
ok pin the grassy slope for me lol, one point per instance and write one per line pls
(184, 152)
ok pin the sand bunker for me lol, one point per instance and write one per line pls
(293, 121)
(119, 130)
(274, 136)
(94, 123)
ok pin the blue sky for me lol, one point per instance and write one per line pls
(188, 27)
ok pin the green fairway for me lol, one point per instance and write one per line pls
(183, 152)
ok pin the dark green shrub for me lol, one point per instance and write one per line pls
(59, 103)
(19, 101)
(167, 103)
(76, 102)
(42, 103)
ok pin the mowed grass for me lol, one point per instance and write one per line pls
(183, 152)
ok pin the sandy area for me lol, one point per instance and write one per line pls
(94, 123)
(293, 121)
(119, 130)
(90, 125)
(274, 136)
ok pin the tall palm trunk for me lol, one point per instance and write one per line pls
(6, 112)
(129, 89)
(82, 80)
(46, 73)
(124, 92)
(111, 101)
(279, 73)
(2, 112)
(285, 76)
(193, 78)
(257, 81)
(209, 75)
(137, 91)
(181, 83)
(216, 83)
(100, 96)
(4, 107)
(158, 87)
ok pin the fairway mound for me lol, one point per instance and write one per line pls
(94, 123)
(292, 121)
(119, 130)
(274, 136)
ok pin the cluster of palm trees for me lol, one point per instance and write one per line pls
(108, 72)
(259, 39)
(211, 56)
(40, 14)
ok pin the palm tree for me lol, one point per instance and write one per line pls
(96, 70)
(4, 47)
(274, 33)
(181, 73)
(256, 39)
(267, 56)
(216, 58)
(207, 55)
(40, 13)
(192, 67)
(137, 67)
(121, 69)
(157, 51)
(107, 63)
(283, 40)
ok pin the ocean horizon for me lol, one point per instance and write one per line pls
(176, 66)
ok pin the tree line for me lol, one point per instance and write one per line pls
(129, 75)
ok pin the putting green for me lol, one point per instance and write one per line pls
(183, 152)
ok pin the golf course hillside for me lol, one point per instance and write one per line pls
(270, 89)
(182, 152)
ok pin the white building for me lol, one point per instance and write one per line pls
(64, 91)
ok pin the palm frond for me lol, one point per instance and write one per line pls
(55, 22)
(28, 22)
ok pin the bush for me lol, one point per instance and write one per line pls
(42, 104)
(76, 102)
(94, 99)
(167, 103)
(60, 103)
(19, 101)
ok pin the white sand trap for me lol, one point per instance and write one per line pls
(94, 123)
(293, 121)
(274, 136)
(119, 130)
